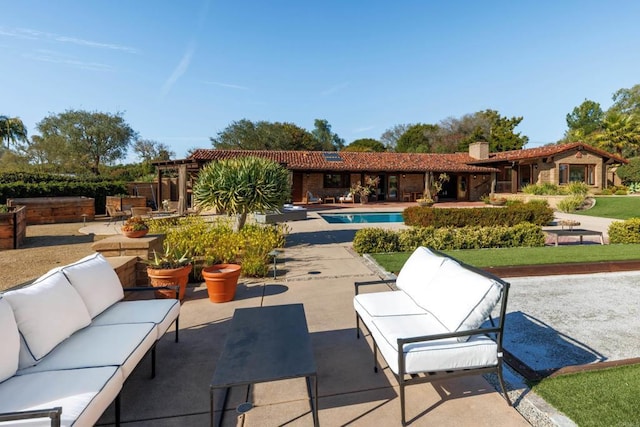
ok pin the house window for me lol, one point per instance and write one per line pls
(336, 180)
(577, 173)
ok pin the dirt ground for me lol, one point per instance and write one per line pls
(45, 247)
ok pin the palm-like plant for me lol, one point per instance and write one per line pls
(12, 129)
(241, 186)
(620, 133)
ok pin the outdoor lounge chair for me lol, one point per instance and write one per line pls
(347, 198)
(313, 199)
(438, 324)
(115, 214)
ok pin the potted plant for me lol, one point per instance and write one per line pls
(135, 227)
(169, 269)
(221, 281)
(370, 184)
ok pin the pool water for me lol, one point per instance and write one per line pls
(361, 217)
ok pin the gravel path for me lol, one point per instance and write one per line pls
(45, 247)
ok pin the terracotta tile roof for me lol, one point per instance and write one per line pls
(546, 151)
(354, 161)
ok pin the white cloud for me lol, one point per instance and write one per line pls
(363, 129)
(30, 34)
(182, 68)
(227, 85)
(52, 57)
(335, 89)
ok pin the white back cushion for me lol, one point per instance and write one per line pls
(417, 272)
(461, 299)
(96, 282)
(9, 341)
(47, 312)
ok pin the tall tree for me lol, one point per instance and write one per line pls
(247, 135)
(584, 121)
(328, 140)
(620, 134)
(365, 145)
(149, 151)
(12, 130)
(92, 138)
(419, 138)
(391, 136)
(626, 101)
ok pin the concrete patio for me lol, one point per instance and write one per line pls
(317, 269)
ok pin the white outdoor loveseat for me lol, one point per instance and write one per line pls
(434, 325)
(69, 341)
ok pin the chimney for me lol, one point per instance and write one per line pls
(479, 150)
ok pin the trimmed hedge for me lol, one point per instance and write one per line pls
(538, 213)
(627, 231)
(377, 240)
(11, 186)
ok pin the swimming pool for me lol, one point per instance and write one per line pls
(362, 217)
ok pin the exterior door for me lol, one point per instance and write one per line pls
(296, 187)
(392, 187)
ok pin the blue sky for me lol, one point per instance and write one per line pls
(181, 71)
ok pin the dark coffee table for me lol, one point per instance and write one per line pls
(266, 344)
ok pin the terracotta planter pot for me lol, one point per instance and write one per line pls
(170, 277)
(221, 280)
(135, 234)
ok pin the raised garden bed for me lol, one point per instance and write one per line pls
(13, 227)
(54, 210)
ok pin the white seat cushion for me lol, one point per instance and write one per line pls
(418, 271)
(95, 346)
(47, 312)
(430, 356)
(392, 303)
(96, 282)
(10, 341)
(460, 298)
(83, 394)
(162, 312)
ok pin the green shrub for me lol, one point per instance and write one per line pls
(375, 240)
(472, 237)
(627, 231)
(621, 192)
(606, 192)
(570, 203)
(537, 212)
(577, 188)
(546, 189)
(217, 242)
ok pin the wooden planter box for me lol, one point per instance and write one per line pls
(53, 210)
(123, 203)
(13, 227)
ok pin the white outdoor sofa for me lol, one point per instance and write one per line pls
(435, 325)
(69, 341)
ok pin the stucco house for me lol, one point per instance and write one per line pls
(403, 176)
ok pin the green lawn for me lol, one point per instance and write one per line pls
(618, 207)
(524, 256)
(598, 398)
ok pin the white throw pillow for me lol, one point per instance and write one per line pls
(96, 282)
(10, 339)
(417, 272)
(461, 299)
(47, 312)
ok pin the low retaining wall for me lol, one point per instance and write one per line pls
(13, 227)
(53, 210)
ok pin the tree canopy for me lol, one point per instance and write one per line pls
(616, 130)
(247, 135)
(92, 138)
(365, 144)
(12, 130)
(455, 134)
